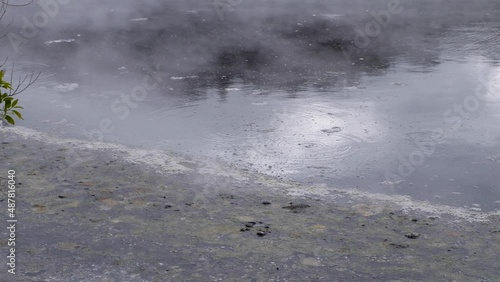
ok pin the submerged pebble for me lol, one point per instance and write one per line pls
(332, 130)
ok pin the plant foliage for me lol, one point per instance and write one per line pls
(8, 105)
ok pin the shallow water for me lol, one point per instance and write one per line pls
(286, 92)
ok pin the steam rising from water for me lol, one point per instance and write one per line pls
(265, 42)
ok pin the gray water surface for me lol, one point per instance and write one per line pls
(285, 88)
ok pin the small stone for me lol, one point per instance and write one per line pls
(266, 203)
(62, 197)
(250, 224)
(261, 233)
(412, 235)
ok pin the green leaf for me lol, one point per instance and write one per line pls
(7, 104)
(10, 120)
(18, 114)
(14, 103)
(4, 84)
(18, 107)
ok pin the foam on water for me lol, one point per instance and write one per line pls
(66, 87)
(139, 19)
(157, 159)
(59, 41)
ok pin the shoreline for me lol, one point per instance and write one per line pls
(106, 212)
(165, 163)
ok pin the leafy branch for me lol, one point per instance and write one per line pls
(10, 107)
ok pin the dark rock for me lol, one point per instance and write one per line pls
(332, 130)
(412, 235)
(62, 197)
(250, 224)
(261, 233)
(266, 203)
(226, 196)
(168, 206)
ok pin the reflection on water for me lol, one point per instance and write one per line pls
(288, 93)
